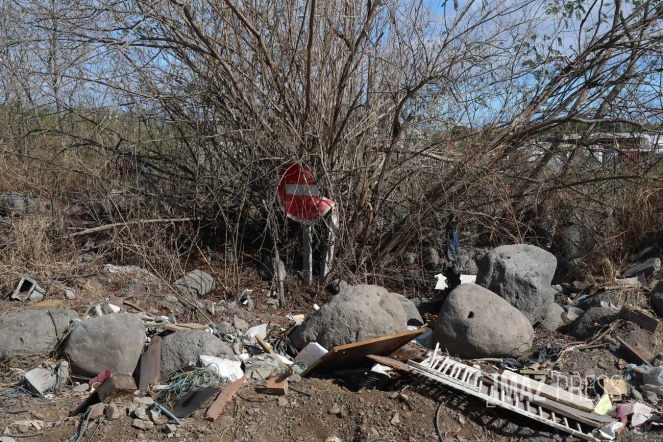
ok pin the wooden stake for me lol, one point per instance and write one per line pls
(223, 398)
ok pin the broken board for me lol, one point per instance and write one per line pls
(192, 401)
(348, 355)
(389, 362)
(547, 391)
(637, 352)
(223, 398)
(641, 318)
(150, 365)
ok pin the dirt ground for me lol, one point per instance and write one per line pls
(349, 406)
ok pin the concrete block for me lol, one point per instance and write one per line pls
(28, 289)
(40, 380)
(197, 282)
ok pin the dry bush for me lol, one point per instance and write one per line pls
(36, 247)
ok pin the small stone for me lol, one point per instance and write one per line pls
(70, 294)
(141, 413)
(224, 421)
(335, 410)
(81, 388)
(144, 400)
(210, 307)
(601, 364)
(240, 324)
(154, 416)
(225, 328)
(97, 411)
(283, 402)
(651, 397)
(396, 419)
(153, 311)
(172, 299)
(375, 432)
(113, 412)
(142, 425)
(171, 428)
(250, 305)
(23, 429)
(636, 395)
(38, 415)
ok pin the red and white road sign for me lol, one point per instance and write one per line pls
(298, 193)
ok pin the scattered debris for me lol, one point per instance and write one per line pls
(349, 355)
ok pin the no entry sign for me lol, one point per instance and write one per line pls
(298, 194)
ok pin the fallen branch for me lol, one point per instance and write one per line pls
(128, 223)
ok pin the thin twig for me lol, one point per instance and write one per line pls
(128, 223)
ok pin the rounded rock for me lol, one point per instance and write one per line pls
(476, 323)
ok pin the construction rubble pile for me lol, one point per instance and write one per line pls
(579, 359)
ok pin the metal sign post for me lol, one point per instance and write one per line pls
(298, 196)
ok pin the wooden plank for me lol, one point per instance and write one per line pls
(547, 391)
(388, 362)
(529, 372)
(223, 398)
(346, 356)
(265, 346)
(277, 386)
(183, 327)
(641, 318)
(135, 306)
(638, 352)
(150, 365)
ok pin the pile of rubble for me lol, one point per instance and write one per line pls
(580, 357)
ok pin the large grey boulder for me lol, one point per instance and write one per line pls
(656, 296)
(521, 274)
(476, 323)
(649, 267)
(185, 347)
(592, 321)
(361, 312)
(32, 332)
(411, 312)
(111, 342)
